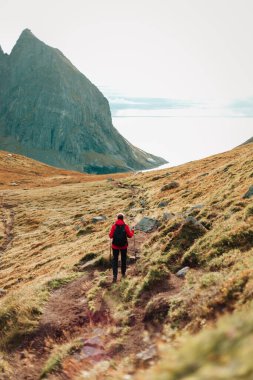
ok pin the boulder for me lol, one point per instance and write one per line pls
(147, 224)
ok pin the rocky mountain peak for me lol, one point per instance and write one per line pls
(26, 35)
(51, 112)
(26, 41)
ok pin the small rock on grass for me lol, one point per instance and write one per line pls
(147, 355)
(163, 204)
(249, 193)
(168, 216)
(96, 219)
(2, 292)
(182, 272)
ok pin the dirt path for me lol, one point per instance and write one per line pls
(67, 317)
(64, 317)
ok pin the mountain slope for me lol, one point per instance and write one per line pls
(60, 316)
(249, 141)
(53, 113)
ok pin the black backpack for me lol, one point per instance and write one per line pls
(120, 236)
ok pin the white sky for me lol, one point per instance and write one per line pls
(171, 48)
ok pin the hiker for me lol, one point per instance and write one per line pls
(119, 233)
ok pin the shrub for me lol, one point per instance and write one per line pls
(210, 279)
(57, 283)
(156, 310)
(155, 275)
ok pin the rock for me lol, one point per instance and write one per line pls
(51, 112)
(195, 222)
(143, 203)
(163, 204)
(94, 341)
(13, 184)
(97, 371)
(249, 193)
(147, 224)
(182, 272)
(90, 351)
(196, 207)
(2, 292)
(98, 219)
(127, 377)
(170, 186)
(147, 355)
(157, 177)
(168, 216)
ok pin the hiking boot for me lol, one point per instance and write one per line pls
(123, 276)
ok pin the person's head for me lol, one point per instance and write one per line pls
(120, 216)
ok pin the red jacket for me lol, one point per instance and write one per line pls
(128, 232)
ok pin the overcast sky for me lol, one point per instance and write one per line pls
(159, 48)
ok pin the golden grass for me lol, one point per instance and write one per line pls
(53, 231)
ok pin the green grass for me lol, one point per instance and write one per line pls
(57, 283)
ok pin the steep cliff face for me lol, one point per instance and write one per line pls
(51, 112)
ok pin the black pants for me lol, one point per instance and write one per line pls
(115, 261)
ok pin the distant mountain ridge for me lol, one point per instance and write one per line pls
(51, 112)
(249, 141)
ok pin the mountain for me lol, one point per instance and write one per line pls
(249, 141)
(62, 318)
(53, 113)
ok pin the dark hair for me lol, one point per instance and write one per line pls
(120, 216)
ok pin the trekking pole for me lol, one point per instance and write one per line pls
(110, 251)
(134, 249)
(135, 255)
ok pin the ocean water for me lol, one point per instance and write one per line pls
(183, 139)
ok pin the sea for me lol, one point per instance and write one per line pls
(182, 139)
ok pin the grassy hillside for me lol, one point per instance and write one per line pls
(61, 317)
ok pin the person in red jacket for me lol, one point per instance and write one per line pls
(119, 234)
